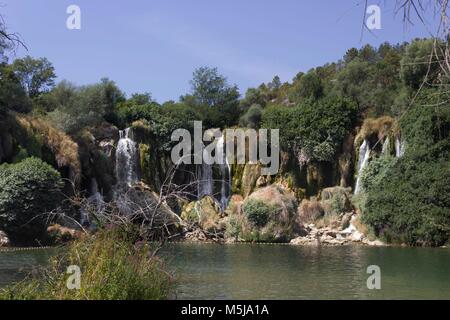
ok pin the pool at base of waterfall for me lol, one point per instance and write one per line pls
(256, 271)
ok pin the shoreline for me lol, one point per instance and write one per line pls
(225, 243)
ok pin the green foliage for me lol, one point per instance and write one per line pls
(210, 89)
(36, 75)
(308, 86)
(12, 95)
(316, 128)
(252, 118)
(28, 190)
(409, 200)
(375, 172)
(79, 107)
(114, 267)
(416, 63)
(257, 212)
(161, 120)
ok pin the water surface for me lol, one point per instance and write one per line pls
(245, 271)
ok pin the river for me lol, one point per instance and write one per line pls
(245, 271)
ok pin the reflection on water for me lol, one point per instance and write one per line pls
(15, 265)
(245, 271)
(290, 272)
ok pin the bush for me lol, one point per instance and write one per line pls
(114, 267)
(257, 212)
(376, 171)
(28, 190)
(310, 211)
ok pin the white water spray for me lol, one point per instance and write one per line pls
(126, 158)
(364, 154)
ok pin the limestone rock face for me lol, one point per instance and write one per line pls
(269, 215)
(205, 213)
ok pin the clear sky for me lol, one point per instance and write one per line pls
(154, 46)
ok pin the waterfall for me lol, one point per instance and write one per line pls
(205, 176)
(399, 147)
(96, 197)
(225, 170)
(364, 153)
(95, 200)
(205, 181)
(385, 151)
(126, 158)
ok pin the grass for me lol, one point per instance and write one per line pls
(113, 267)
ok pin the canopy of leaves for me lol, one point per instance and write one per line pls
(36, 75)
(28, 190)
(316, 128)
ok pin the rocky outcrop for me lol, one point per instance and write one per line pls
(329, 236)
(267, 215)
(205, 213)
(60, 235)
(4, 240)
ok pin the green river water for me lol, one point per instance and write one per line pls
(246, 271)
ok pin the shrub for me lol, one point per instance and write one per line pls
(310, 211)
(257, 212)
(114, 267)
(376, 171)
(28, 190)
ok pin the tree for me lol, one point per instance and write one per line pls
(78, 107)
(8, 41)
(36, 75)
(415, 63)
(141, 98)
(275, 84)
(212, 90)
(12, 95)
(350, 55)
(309, 86)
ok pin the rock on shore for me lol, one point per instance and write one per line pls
(4, 240)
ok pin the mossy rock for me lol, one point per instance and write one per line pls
(277, 208)
(205, 213)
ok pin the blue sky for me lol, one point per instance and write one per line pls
(154, 46)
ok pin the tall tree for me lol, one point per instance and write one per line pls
(36, 75)
(211, 88)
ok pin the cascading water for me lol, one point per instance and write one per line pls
(95, 201)
(364, 153)
(399, 147)
(205, 176)
(225, 170)
(96, 197)
(205, 180)
(126, 158)
(385, 150)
